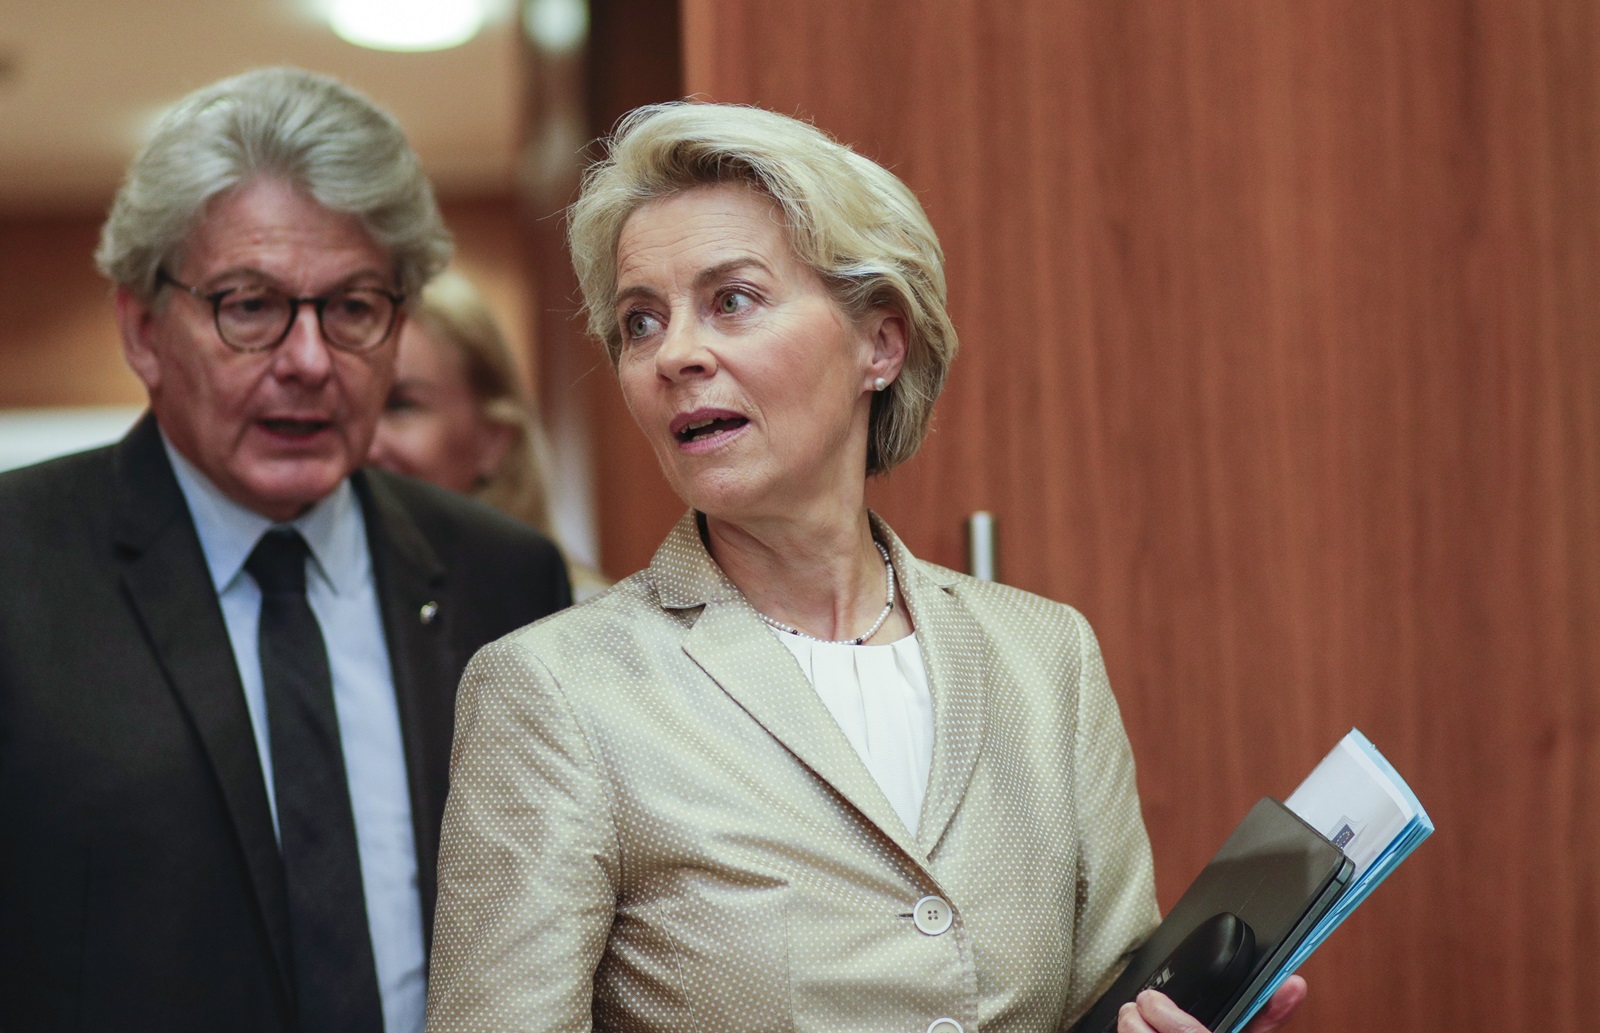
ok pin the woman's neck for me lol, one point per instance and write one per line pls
(822, 575)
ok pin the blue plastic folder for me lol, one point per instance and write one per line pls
(1353, 777)
(1289, 874)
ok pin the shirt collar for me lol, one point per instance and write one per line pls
(228, 531)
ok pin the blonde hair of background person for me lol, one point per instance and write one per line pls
(458, 416)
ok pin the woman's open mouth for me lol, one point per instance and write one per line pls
(709, 427)
(705, 426)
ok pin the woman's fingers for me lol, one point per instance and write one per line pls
(1153, 1012)
(1284, 1003)
(1130, 1021)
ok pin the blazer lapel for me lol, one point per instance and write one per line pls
(737, 651)
(416, 623)
(164, 572)
(954, 653)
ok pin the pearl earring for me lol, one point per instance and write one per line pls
(879, 384)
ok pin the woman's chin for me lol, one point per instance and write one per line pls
(727, 499)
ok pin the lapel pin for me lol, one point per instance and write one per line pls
(429, 611)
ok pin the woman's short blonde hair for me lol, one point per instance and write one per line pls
(851, 220)
(452, 311)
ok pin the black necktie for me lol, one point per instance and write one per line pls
(336, 984)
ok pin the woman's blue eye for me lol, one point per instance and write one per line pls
(638, 324)
(730, 302)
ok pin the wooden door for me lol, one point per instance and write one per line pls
(1281, 360)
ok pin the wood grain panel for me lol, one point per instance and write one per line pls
(1279, 360)
(633, 58)
(490, 251)
(59, 344)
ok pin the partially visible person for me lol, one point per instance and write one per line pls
(457, 415)
(789, 776)
(228, 655)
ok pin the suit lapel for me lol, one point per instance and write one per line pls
(165, 575)
(738, 652)
(953, 651)
(417, 620)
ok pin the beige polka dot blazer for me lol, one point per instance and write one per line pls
(655, 824)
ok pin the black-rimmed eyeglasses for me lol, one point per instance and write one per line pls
(258, 317)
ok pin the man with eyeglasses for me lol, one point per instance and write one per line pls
(228, 655)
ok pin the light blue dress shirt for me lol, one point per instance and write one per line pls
(344, 597)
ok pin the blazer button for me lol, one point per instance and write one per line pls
(933, 916)
(945, 1026)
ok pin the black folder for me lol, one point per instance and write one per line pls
(1276, 875)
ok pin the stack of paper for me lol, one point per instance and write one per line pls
(1361, 804)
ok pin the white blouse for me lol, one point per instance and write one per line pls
(881, 699)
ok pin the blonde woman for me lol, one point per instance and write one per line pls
(457, 415)
(788, 777)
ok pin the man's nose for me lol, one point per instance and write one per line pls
(304, 353)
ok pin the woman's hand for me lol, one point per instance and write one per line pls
(1154, 1012)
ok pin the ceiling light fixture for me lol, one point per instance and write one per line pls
(556, 26)
(407, 25)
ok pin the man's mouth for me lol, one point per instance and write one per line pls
(290, 428)
(698, 426)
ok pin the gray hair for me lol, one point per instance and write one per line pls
(309, 130)
(851, 220)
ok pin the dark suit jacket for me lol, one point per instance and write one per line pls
(140, 882)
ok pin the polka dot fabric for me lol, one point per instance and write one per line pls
(654, 824)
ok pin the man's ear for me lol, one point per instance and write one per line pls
(135, 319)
(888, 333)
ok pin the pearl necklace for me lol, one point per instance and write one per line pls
(888, 608)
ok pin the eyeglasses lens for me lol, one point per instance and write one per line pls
(253, 318)
(357, 319)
